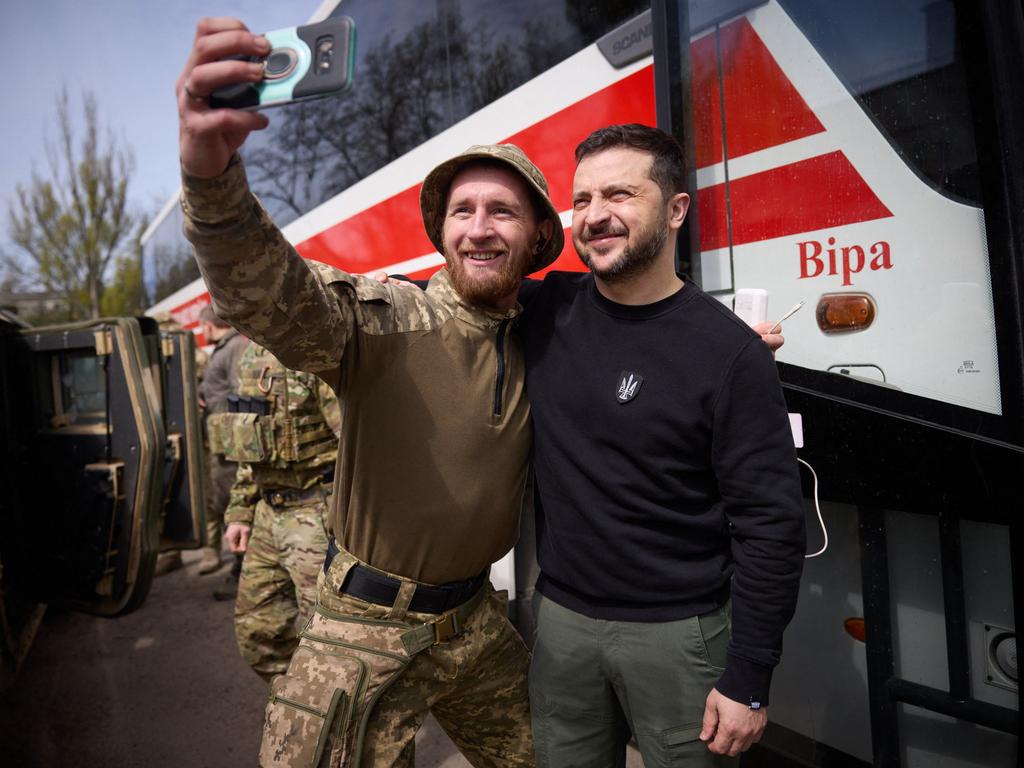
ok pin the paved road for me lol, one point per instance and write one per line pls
(162, 687)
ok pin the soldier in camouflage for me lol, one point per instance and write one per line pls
(435, 437)
(219, 380)
(282, 427)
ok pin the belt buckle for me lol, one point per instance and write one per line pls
(446, 627)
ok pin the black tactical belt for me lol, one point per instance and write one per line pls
(376, 587)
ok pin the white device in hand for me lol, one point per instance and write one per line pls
(751, 305)
(778, 323)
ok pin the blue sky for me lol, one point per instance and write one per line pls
(129, 54)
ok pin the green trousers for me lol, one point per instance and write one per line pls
(594, 682)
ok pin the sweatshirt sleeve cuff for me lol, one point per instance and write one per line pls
(745, 682)
(221, 200)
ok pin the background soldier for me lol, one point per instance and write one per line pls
(220, 379)
(283, 427)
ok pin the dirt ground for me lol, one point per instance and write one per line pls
(162, 687)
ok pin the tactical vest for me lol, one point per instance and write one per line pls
(275, 421)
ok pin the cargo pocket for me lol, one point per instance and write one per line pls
(250, 441)
(311, 709)
(359, 656)
(680, 735)
(218, 431)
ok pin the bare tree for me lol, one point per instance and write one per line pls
(73, 223)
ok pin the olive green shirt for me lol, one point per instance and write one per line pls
(435, 430)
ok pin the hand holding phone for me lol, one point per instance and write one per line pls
(304, 63)
(207, 138)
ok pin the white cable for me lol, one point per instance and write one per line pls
(817, 508)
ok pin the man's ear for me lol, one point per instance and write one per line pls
(678, 205)
(543, 234)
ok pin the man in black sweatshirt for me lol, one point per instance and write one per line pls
(669, 512)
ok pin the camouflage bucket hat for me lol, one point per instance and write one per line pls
(434, 195)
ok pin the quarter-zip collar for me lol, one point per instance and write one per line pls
(440, 289)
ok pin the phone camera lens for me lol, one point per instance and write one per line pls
(279, 64)
(324, 54)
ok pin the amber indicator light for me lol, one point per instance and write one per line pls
(854, 627)
(841, 312)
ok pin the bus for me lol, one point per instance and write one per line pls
(859, 157)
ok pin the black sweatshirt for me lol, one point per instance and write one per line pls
(666, 474)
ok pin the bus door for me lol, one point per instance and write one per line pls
(855, 157)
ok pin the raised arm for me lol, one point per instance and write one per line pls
(256, 279)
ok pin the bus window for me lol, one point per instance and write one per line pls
(420, 68)
(902, 63)
(166, 254)
(837, 164)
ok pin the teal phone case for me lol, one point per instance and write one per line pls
(317, 72)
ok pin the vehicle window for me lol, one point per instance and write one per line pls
(72, 390)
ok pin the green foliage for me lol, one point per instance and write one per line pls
(72, 224)
(123, 296)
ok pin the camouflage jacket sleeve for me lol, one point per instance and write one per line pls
(304, 313)
(244, 495)
(329, 408)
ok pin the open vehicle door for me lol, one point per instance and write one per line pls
(83, 470)
(102, 464)
(182, 513)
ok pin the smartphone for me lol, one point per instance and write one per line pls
(305, 63)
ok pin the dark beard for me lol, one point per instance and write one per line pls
(634, 260)
(486, 293)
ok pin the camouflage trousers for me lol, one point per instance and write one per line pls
(278, 583)
(365, 676)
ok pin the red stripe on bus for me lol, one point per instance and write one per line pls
(762, 108)
(707, 104)
(188, 313)
(383, 234)
(812, 194)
